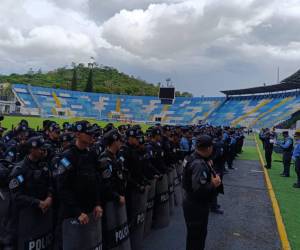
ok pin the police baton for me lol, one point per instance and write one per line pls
(214, 173)
(220, 189)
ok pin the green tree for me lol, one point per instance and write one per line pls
(108, 79)
(89, 84)
(74, 80)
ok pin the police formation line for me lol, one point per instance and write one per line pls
(287, 146)
(86, 187)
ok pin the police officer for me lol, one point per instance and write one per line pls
(5, 170)
(240, 140)
(136, 186)
(268, 140)
(132, 164)
(112, 168)
(78, 181)
(114, 187)
(287, 146)
(176, 155)
(156, 152)
(53, 139)
(16, 146)
(218, 165)
(231, 150)
(67, 127)
(296, 158)
(66, 141)
(145, 155)
(31, 185)
(184, 141)
(79, 192)
(200, 185)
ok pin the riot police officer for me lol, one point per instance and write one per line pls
(16, 146)
(79, 190)
(218, 165)
(32, 191)
(53, 140)
(132, 164)
(78, 182)
(200, 185)
(156, 152)
(136, 195)
(5, 201)
(231, 154)
(114, 186)
(112, 169)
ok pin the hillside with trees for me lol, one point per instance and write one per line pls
(94, 78)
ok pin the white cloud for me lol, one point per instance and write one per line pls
(192, 41)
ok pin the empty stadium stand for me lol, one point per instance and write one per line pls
(256, 111)
(58, 102)
(245, 107)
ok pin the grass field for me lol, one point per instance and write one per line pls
(287, 196)
(35, 122)
(249, 153)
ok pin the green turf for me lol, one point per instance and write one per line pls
(288, 199)
(35, 122)
(249, 153)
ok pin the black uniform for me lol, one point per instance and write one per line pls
(198, 195)
(113, 177)
(268, 141)
(5, 202)
(78, 182)
(133, 166)
(145, 156)
(157, 156)
(30, 183)
(219, 166)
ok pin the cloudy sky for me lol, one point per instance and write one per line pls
(203, 45)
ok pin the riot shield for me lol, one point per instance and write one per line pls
(149, 207)
(4, 202)
(179, 169)
(35, 229)
(177, 189)
(171, 190)
(4, 211)
(161, 216)
(116, 227)
(82, 237)
(138, 213)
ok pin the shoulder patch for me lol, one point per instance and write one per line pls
(65, 163)
(107, 173)
(203, 178)
(16, 182)
(63, 166)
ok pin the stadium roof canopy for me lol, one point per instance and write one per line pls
(290, 83)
